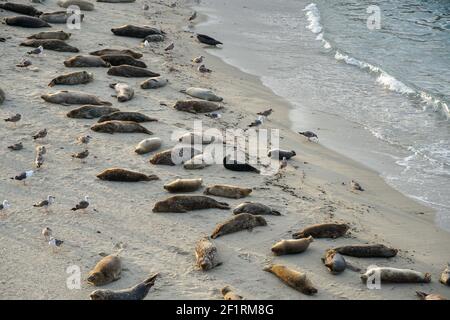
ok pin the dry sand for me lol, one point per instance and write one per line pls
(310, 191)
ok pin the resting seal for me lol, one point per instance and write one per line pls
(183, 204)
(106, 271)
(334, 262)
(227, 191)
(291, 246)
(49, 44)
(21, 8)
(281, 154)
(27, 22)
(255, 208)
(83, 5)
(240, 222)
(184, 185)
(122, 59)
(128, 52)
(59, 35)
(445, 276)
(124, 92)
(367, 251)
(148, 145)
(120, 126)
(195, 106)
(229, 294)
(73, 97)
(138, 292)
(204, 94)
(135, 31)
(58, 17)
(196, 163)
(154, 83)
(297, 280)
(206, 254)
(174, 156)
(123, 175)
(235, 165)
(325, 230)
(81, 61)
(131, 72)
(73, 78)
(394, 275)
(127, 116)
(90, 112)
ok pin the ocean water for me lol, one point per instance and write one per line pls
(379, 96)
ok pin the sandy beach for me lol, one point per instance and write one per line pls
(310, 191)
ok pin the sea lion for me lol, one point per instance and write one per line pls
(235, 165)
(334, 261)
(126, 116)
(73, 78)
(240, 222)
(26, 22)
(154, 38)
(123, 175)
(227, 191)
(131, 72)
(229, 294)
(135, 31)
(255, 208)
(90, 112)
(106, 270)
(204, 94)
(445, 276)
(394, 275)
(196, 106)
(154, 83)
(367, 251)
(138, 292)
(73, 97)
(123, 59)
(59, 35)
(295, 279)
(324, 230)
(21, 8)
(291, 246)
(183, 204)
(124, 92)
(430, 296)
(148, 145)
(49, 44)
(82, 4)
(281, 154)
(115, 126)
(184, 185)
(174, 156)
(195, 138)
(196, 163)
(2, 96)
(58, 17)
(128, 52)
(206, 254)
(83, 61)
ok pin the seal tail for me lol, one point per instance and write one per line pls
(276, 213)
(145, 130)
(150, 281)
(223, 205)
(52, 83)
(422, 295)
(105, 103)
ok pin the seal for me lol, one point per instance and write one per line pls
(154, 83)
(208, 40)
(196, 163)
(82, 4)
(58, 17)
(394, 275)
(196, 106)
(148, 145)
(135, 31)
(183, 204)
(116, 1)
(195, 138)
(174, 156)
(229, 294)
(204, 94)
(227, 191)
(235, 165)
(21, 8)
(123, 59)
(26, 22)
(291, 246)
(281, 154)
(114, 126)
(106, 270)
(90, 112)
(128, 52)
(138, 292)
(73, 97)
(58, 35)
(334, 261)
(206, 254)
(367, 251)
(73, 78)
(445, 276)
(131, 72)
(82, 61)
(295, 279)
(324, 230)
(2, 96)
(123, 175)
(184, 185)
(240, 222)
(124, 92)
(126, 116)
(430, 296)
(255, 208)
(49, 44)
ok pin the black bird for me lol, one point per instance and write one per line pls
(234, 165)
(265, 113)
(208, 40)
(309, 135)
(23, 175)
(14, 118)
(82, 205)
(16, 146)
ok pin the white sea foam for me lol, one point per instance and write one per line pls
(391, 83)
(313, 16)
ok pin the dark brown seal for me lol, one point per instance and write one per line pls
(120, 126)
(73, 78)
(182, 204)
(367, 251)
(240, 222)
(135, 31)
(122, 59)
(26, 22)
(126, 116)
(131, 72)
(123, 175)
(196, 106)
(103, 52)
(90, 112)
(50, 44)
(138, 292)
(21, 8)
(255, 208)
(325, 230)
(295, 279)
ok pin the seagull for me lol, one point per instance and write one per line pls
(198, 59)
(81, 155)
(55, 243)
(84, 139)
(170, 47)
(265, 113)
(39, 161)
(356, 186)
(283, 163)
(41, 134)
(47, 233)
(39, 51)
(4, 205)
(25, 63)
(145, 44)
(214, 115)
(259, 121)
(82, 205)
(208, 40)
(41, 150)
(203, 69)
(15, 118)
(193, 16)
(16, 146)
(23, 176)
(309, 134)
(145, 7)
(45, 203)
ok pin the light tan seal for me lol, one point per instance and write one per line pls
(73, 97)
(184, 185)
(124, 175)
(295, 279)
(115, 126)
(394, 275)
(196, 163)
(148, 145)
(206, 254)
(255, 208)
(430, 296)
(174, 156)
(240, 222)
(73, 78)
(183, 204)
(227, 191)
(137, 292)
(229, 294)
(154, 83)
(324, 230)
(123, 91)
(445, 276)
(195, 106)
(291, 246)
(106, 270)
(85, 61)
(90, 112)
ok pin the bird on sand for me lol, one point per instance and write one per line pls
(84, 139)
(81, 155)
(41, 150)
(39, 161)
(309, 134)
(193, 16)
(265, 113)
(170, 47)
(39, 50)
(23, 176)
(4, 205)
(40, 134)
(356, 186)
(24, 63)
(45, 203)
(208, 40)
(259, 121)
(82, 205)
(198, 59)
(204, 69)
(214, 115)
(15, 118)
(16, 146)
(55, 243)
(47, 233)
